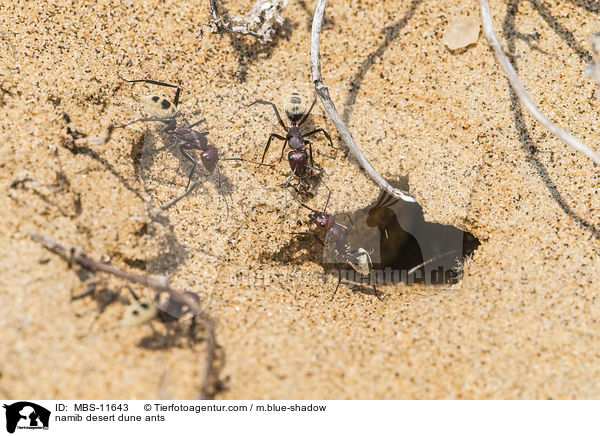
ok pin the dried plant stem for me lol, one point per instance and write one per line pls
(515, 82)
(264, 16)
(224, 25)
(323, 92)
(159, 284)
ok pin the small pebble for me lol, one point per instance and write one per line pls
(462, 33)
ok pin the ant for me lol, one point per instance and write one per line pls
(188, 139)
(143, 310)
(298, 158)
(336, 239)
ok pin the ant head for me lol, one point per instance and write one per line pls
(322, 220)
(210, 157)
(295, 107)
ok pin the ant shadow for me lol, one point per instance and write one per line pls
(249, 51)
(151, 176)
(527, 142)
(159, 229)
(328, 22)
(391, 33)
(173, 336)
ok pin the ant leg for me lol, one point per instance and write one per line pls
(324, 133)
(154, 82)
(376, 292)
(312, 234)
(164, 120)
(273, 135)
(349, 218)
(305, 116)
(274, 108)
(182, 149)
(312, 163)
(283, 149)
(338, 284)
(185, 194)
(287, 183)
(221, 192)
(197, 122)
(164, 147)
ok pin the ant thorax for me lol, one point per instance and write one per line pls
(296, 141)
(295, 107)
(158, 107)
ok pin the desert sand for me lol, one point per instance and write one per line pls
(522, 322)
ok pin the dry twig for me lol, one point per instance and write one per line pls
(159, 284)
(515, 82)
(323, 92)
(264, 16)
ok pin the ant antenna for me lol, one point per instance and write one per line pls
(327, 203)
(249, 161)
(221, 191)
(133, 294)
(302, 204)
(155, 82)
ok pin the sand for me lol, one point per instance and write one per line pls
(522, 323)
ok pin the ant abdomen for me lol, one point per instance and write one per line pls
(295, 107)
(158, 107)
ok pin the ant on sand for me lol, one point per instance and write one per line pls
(142, 311)
(298, 157)
(186, 138)
(336, 240)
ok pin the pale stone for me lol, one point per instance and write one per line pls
(462, 33)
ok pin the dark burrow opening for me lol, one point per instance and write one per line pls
(403, 247)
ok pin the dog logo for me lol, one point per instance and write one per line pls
(26, 415)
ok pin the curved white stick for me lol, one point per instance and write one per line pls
(515, 82)
(323, 92)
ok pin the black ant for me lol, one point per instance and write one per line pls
(186, 138)
(298, 158)
(336, 239)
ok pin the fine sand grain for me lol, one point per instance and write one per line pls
(523, 322)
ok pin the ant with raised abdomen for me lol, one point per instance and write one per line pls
(336, 240)
(186, 138)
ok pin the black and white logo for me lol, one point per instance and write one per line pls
(26, 415)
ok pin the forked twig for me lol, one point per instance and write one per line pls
(515, 82)
(159, 284)
(323, 92)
